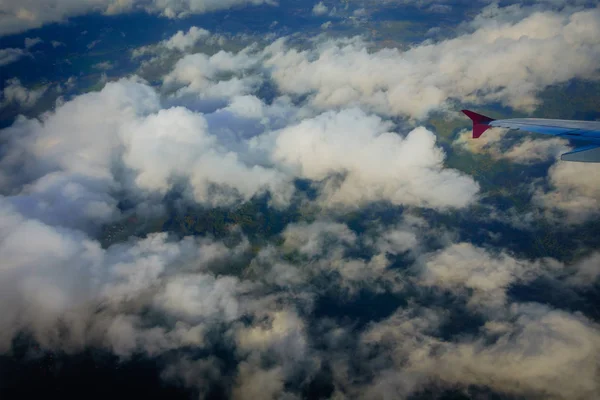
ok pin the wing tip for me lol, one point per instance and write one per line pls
(480, 122)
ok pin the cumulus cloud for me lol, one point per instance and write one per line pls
(405, 354)
(587, 271)
(359, 160)
(281, 332)
(501, 62)
(531, 150)
(52, 166)
(326, 25)
(526, 151)
(283, 314)
(484, 278)
(124, 127)
(179, 42)
(19, 16)
(134, 132)
(184, 40)
(511, 12)
(15, 93)
(324, 249)
(103, 66)
(70, 293)
(317, 238)
(30, 42)
(257, 383)
(247, 106)
(93, 44)
(44, 275)
(541, 352)
(178, 9)
(573, 191)
(10, 55)
(54, 279)
(202, 74)
(198, 374)
(320, 9)
(414, 82)
(402, 237)
(319, 255)
(190, 151)
(277, 335)
(200, 297)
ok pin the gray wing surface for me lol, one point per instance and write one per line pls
(586, 131)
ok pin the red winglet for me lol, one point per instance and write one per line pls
(480, 122)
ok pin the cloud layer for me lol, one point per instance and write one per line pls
(506, 62)
(19, 16)
(345, 258)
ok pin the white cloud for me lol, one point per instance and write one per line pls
(18, 16)
(180, 9)
(190, 151)
(320, 9)
(14, 92)
(68, 292)
(44, 275)
(179, 42)
(176, 136)
(403, 237)
(526, 151)
(57, 139)
(103, 66)
(358, 160)
(67, 199)
(318, 238)
(73, 154)
(440, 8)
(393, 345)
(573, 192)
(530, 151)
(199, 297)
(30, 42)
(184, 40)
(246, 181)
(67, 157)
(282, 332)
(503, 62)
(202, 74)
(323, 250)
(587, 271)
(256, 383)
(494, 13)
(484, 278)
(247, 106)
(194, 373)
(280, 336)
(541, 352)
(137, 267)
(64, 174)
(93, 44)
(10, 55)
(533, 352)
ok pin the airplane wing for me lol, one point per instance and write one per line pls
(588, 131)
